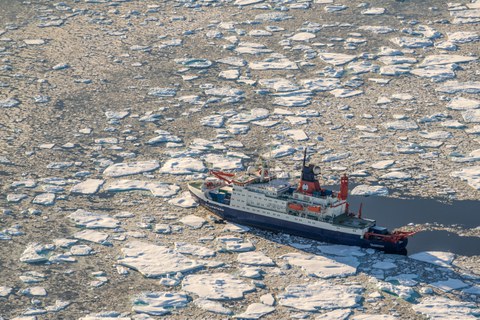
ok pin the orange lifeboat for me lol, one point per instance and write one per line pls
(295, 206)
(316, 209)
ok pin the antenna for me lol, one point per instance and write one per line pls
(304, 156)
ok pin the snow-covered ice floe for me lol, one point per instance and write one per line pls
(158, 189)
(155, 261)
(323, 267)
(321, 295)
(216, 286)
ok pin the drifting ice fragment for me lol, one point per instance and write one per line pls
(216, 286)
(155, 261)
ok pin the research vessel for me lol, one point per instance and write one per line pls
(260, 199)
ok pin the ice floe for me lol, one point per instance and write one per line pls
(212, 306)
(216, 286)
(158, 189)
(321, 295)
(255, 258)
(36, 253)
(185, 200)
(131, 168)
(456, 87)
(154, 261)
(366, 190)
(255, 311)
(439, 258)
(89, 186)
(159, 303)
(92, 220)
(323, 267)
(445, 308)
(92, 236)
(469, 174)
(193, 221)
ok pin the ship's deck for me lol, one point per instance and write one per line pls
(352, 221)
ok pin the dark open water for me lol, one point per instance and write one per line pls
(394, 213)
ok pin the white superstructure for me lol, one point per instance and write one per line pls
(275, 199)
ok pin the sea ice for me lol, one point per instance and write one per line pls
(456, 87)
(252, 48)
(302, 36)
(273, 64)
(255, 258)
(296, 134)
(279, 84)
(216, 286)
(214, 121)
(439, 258)
(220, 162)
(373, 317)
(5, 291)
(58, 306)
(460, 103)
(89, 186)
(339, 314)
(438, 307)
(163, 136)
(92, 236)
(471, 116)
(267, 299)
(125, 169)
(212, 306)
(382, 165)
(158, 189)
(335, 8)
(442, 59)
(44, 199)
(255, 311)
(280, 151)
(449, 285)
(162, 92)
(337, 59)
(463, 36)
(341, 250)
(193, 221)
(396, 175)
(336, 157)
(109, 315)
(412, 42)
(34, 292)
(400, 125)
(9, 103)
(366, 190)
(185, 200)
(254, 114)
(35, 253)
(184, 165)
(321, 84)
(155, 261)
(298, 98)
(321, 295)
(435, 135)
(159, 303)
(194, 250)
(92, 220)
(323, 267)
(469, 174)
(80, 250)
(231, 243)
(384, 265)
(436, 73)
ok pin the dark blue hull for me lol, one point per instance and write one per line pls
(250, 219)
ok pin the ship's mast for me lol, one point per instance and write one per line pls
(304, 160)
